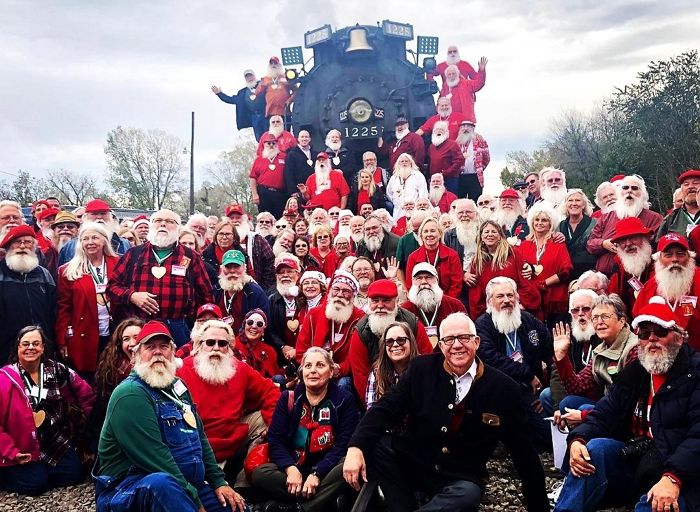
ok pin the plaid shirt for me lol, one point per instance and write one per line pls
(371, 394)
(583, 383)
(178, 296)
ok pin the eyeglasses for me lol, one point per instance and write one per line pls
(225, 235)
(659, 332)
(301, 246)
(33, 344)
(531, 182)
(633, 188)
(69, 225)
(257, 323)
(21, 243)
(264, 222)
(220, 343)
(322, 237)
(400, 341)
(462, 338)
(341, 291)
(15, 218)
(483, 203)
(603, 316)
(342, 244)
(169, 222)
(582, 309)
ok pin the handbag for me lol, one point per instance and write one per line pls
(260, 454)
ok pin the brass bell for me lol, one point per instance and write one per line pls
(358, 41)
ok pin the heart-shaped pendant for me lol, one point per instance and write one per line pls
(158, 272)
(271, 167)
(512, 240)
(377, 266)
(39, 418)
(293, 325)
(336, 160)
(433, 340)
(538, 269)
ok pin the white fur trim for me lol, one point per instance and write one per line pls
(653, 319)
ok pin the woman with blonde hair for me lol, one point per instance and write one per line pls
(577, 225)
(323, 251)
(365, 192)
(188, 238)
(129, 235)
(83, 316)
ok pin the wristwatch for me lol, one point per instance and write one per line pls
(673, 479)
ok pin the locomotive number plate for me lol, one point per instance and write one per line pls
(361, 132)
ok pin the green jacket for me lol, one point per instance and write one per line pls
(131, 437)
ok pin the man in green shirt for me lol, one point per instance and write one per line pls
(153, 454)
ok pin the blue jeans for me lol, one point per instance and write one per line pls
(576, 402)
(611, 479)
(546, 400)
(36, 478)
(179, 331)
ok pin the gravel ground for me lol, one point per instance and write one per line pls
(502, 494)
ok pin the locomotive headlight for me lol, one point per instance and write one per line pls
(360, 111)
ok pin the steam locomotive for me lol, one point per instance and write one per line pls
(361, 80)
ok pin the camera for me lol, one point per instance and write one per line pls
(636, 448)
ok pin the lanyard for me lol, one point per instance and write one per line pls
(228, 302)
(161, 260)
(28, 383)
(689, 218)
(290, 305)
(514, 343)
(437, 255)
(586, 355)
(333, 331)
(428, 324)
(181, 404)
(539, 251)
(99, 274)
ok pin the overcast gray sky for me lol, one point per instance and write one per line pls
(73, 70)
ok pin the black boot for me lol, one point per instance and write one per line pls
(276, 506)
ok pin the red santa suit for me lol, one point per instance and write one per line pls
(454, 120)
(619, 282)
(400, 228)
(465, 69)
(277, 95)
(328, 197)
(446, 262)
(554, 260)
(446, 158)
(261, 357)
(445, 201)
(686, 308)
(463, 94)
(285, 142)
(329, 264)
(222, 406)
(317, 331)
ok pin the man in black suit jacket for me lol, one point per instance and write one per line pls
(457, 410)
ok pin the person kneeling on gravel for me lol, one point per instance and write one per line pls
(153, 454)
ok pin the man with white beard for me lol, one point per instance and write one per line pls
(279, 93)
(579, 349)
(65, 228)
(378, 245)
(330, 326)
(161, 279)
(657, 394)
(283, 326)
(326, 187)
(234, 401)
(153, 441)
(476, 158)
(285, 139)
(260, 255)
(383, 310)
(265, 227)
(357, 224)
(428, 302)
(98, 211)
(10, 216)
(340, 156)
(250, 107)
(236, 292)
(462, 237)
(363, 271)
(27, 290)
(438, 195)
(452, 59)
(445, 157)
(486, 205)
(267, 178)
(518, 344)
(633, 263)
(552, 185)
(444, 113)
(404, 141)
(509, 215)
(462, 91)
(197, 223)
(677, 280)
(684, 219)
(632, 200)
(605, 198)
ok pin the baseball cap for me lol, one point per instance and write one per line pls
(670, 239)
(233, 257)
(209, 308)
(424, 267)
(96, 206)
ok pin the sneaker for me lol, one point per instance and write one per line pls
(553, 495)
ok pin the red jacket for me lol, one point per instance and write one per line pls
(555, 260)
(316, 332)
(285, 142)
(269, 173)
(465, 69)
(222, 406)
(688, 313)
(463, 94)
(445, 201)
(448, 265)
(329, 264)
(446, 158)
(454, 120)
(330, 197)
(77, 307)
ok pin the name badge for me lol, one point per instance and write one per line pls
(35, 392)
(100, 288)
(337, 338)
(431, 330)
(635, 283)
(227, 320)
(290, 313)
(179, 270)
(517, 356)
(689, 299)
(179, 388)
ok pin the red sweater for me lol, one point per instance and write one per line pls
(446, 158)
(448, 266)
(555, 260)
(222, 406)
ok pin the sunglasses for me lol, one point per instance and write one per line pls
(583, 309)
(483, 203)
(281, 226)
(220, 343)
(532, 182)
(659, 332)
(257, 323)
(633, 188)
(400, 341)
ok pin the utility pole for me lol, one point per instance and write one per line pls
(192, 168)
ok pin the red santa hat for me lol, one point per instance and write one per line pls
(617, 177)
(141, 219)
(657, 311)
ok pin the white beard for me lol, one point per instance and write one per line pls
(160, 377)
(339, 310)
(485, 214)
(344, 231)
(283, 289)
(263, 231)
(333, 146)
(427, 299)
(658, 364)
(323, 177)
(270, 153)
(243, 231)
(374, 243)
(378, 324)
(437, 139)
(636, 263)
(553, 196)
(582, 334)
(453, 60)
(274, 70)
(357, 237)
(62, 241)
(505, 217)
(672, 285)
(453, 82)
(436, 194)
(624, 210)
(162, 240)
(276, 130)
(463, 139)
(506, 321)
(234, 286)
(22, 263)
(251, 84)
(466, 235)
(400, 134)
(215, 370)
(277, 248)
(608, 208)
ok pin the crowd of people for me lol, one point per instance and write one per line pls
(292, 358)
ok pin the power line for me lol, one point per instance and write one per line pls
(9, 174)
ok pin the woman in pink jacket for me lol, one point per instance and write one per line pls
(37, 448)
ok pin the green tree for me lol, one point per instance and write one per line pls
(521, 163)
(25, 189)
(145, 167)
(229, 174)
(71, 187)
